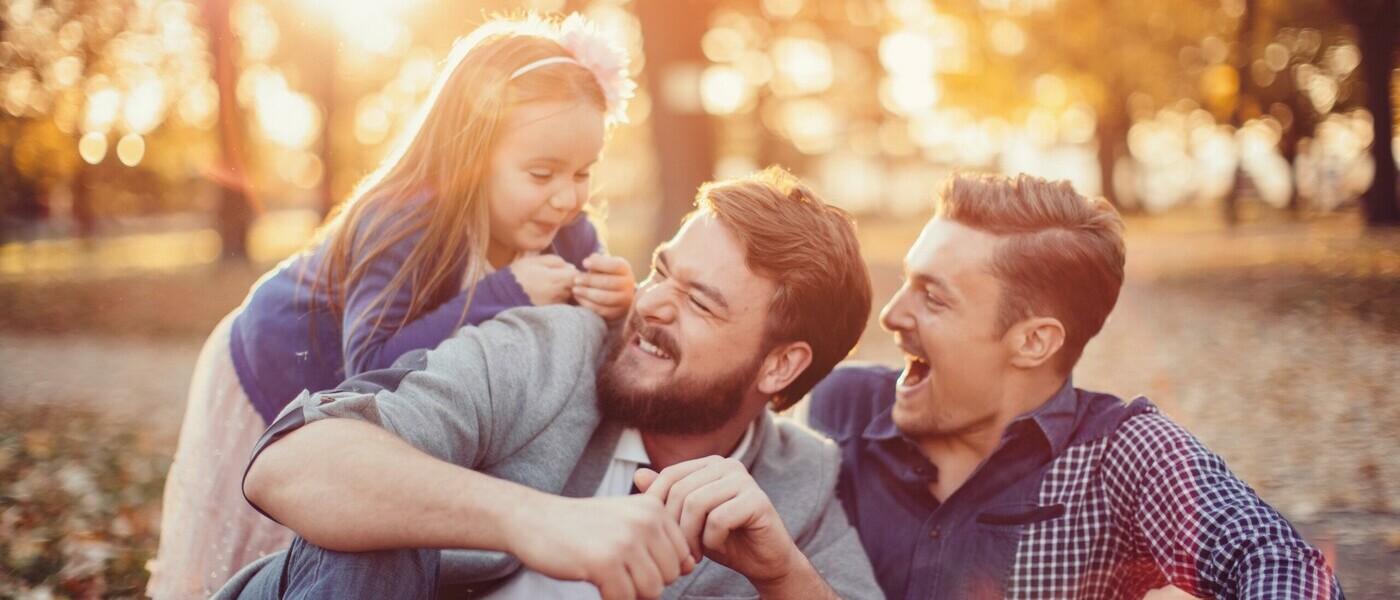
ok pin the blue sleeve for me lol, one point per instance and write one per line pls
(368, 348)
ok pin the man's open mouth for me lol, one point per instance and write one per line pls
(915, 370)
(651, 348)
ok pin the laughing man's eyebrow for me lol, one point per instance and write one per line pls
(927, 280)
(936, 282)
(709, 291)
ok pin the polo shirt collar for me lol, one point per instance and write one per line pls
(1056, 418)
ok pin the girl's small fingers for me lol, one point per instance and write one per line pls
(607, 282)
(600, 296)
(602, 263)
(603, 311)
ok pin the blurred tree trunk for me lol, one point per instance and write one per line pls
(236, 205)
(683, 133)
(84, 219)
(1289, 145)
(1376, 22)
(1246, 102)
(1112, 132)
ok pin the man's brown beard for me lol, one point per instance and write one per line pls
(682, 406)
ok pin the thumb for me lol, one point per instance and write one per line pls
(643, 478)
(603, 263)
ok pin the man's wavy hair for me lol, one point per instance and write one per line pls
(1061, 254)
(809, 249)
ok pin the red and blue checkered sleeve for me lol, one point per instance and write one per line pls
(1206, 530)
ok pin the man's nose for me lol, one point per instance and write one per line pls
(653, 302)
(895, 316)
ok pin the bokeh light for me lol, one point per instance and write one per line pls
(724, 90)
(131, 148)
(93, 147)
(804, 64)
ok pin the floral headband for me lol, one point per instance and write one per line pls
(602, 56)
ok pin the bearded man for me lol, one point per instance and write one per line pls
(756, 298)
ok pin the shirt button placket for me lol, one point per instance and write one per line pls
(925, 582)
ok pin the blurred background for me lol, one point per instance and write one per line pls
(157, 156)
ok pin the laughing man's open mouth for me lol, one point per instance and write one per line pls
(651, 348)
(916, 369)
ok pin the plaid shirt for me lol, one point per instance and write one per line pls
(1086, 497)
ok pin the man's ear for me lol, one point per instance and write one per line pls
(782, 365)
(1035, 341)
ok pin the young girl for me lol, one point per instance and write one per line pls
(478, 209)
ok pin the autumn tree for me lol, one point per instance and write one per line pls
(1377, 22)
(100, 98)
(684, 138)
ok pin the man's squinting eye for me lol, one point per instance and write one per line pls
(700, 305)
(932, 299)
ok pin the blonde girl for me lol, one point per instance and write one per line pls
(478, 209)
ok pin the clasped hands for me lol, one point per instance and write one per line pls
(633, 546)
(605, 288)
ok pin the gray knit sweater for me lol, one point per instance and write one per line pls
(514, 398)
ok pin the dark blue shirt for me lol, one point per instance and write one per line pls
(1085, 497)
(280, 348)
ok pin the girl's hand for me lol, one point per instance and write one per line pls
(608, 286)
(547, 278)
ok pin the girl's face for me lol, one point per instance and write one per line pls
(539, 176)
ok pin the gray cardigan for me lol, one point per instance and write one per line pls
(514, 398)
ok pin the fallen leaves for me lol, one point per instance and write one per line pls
(79, 498)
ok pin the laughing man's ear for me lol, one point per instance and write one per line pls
(1035, 341)
(782, 365)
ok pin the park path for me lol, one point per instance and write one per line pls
(133, 381)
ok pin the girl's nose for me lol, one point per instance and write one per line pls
(567, 199)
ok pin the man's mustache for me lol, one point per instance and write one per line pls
(655, 336)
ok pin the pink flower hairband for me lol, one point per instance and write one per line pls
(602, 56)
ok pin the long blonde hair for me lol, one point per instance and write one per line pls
(445, 151)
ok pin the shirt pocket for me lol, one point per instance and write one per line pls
(1019, 515)
(997, 535)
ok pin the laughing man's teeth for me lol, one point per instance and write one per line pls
(651, 349)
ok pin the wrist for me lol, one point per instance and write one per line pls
(785, 579)
(518, 506)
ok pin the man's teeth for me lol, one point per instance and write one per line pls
(651, 349)
(915, 370)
